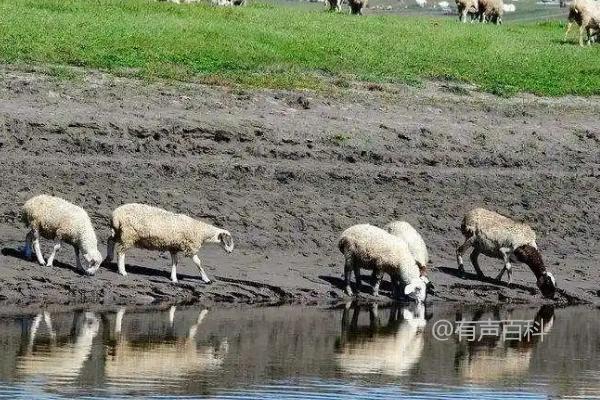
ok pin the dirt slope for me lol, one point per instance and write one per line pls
(286, 172)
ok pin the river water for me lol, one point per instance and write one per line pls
(293, 352)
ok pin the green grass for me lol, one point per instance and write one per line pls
(270, 46)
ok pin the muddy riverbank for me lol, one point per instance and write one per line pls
(286, 172)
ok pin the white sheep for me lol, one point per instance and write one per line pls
(490, 10)
(415, 242)
(369, 247)
(509, 8)
(56, 219)
(586, 14)
(467, 7)
(152, 228)
(497, 236)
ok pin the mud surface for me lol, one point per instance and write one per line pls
(286, 172)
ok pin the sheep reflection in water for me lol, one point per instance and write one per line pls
(58, 360)
(492, 358)
(155, 359)
(392, 349)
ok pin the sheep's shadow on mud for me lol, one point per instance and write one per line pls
(18, 254)
(469, 276)
(149, 271)
(364, 289)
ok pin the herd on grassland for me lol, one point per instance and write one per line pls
(397, 249)
(585, 13)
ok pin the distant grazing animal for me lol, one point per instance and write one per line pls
(586, 14)
(335, 5)
(369, 247)
(467, 8)
(509, 8)
(490, 10)
(152, 228)
(497, 236)
(356, 6)
(56, 219)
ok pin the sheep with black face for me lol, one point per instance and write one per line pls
(497, 236)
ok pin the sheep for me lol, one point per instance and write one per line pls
(500, 237)
(467, 7)
(369, 247)
(152, 228)
(403, 230)
(415, 242)
(490, 10)
(335, 5)
(586, 14)
(356, 6)
(56, 219)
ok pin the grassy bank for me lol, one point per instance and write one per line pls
(291, 47)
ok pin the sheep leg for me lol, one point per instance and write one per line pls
(36, 247)
(475, 262)
(357, 277)
(174, 267)
(27, 250)
(110, 249)
(378, 279)
(77, 259)
(460, 251)
(581, 29)
(121, 262)
(347, 272)
(569, 26)
(53, 254)
(507, 266)
(203, 275)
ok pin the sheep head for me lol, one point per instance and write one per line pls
(226, 241)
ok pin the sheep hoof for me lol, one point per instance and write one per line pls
(49, 265)
(207, 282)
(174, 280)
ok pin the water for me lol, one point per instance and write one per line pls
(300, 353)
